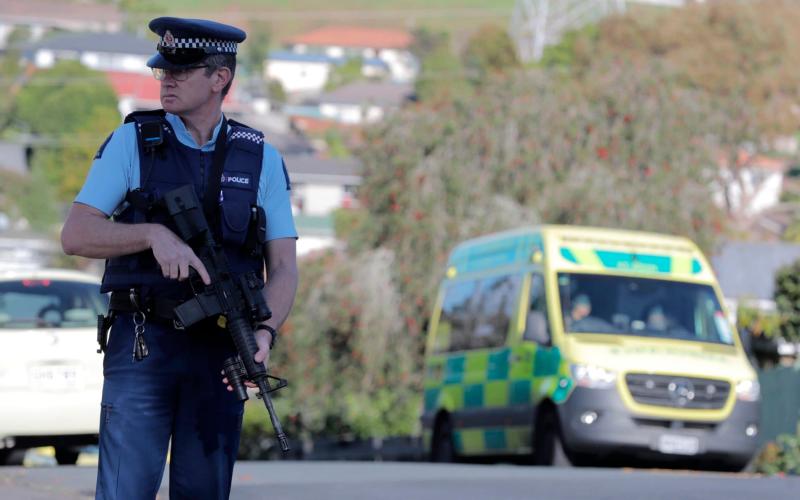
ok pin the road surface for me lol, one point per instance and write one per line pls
(422, 481)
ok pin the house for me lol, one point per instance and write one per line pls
(319, 187)
(309, 73)
(115, 52)
(309, 58)
(750, 186)
(389, 45)
(746, 271)
(363, 102)
(42, 16)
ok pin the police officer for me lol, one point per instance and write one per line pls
(163, 387)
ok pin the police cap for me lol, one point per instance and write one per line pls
(188, 41)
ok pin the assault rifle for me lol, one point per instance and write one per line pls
(239, 301)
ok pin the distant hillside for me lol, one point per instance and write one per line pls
(287, 17)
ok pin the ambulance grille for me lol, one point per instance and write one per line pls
(678, 392)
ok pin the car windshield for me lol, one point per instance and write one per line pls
(43, 303)
(643, 307)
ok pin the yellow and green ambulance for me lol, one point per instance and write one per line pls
(572, 344)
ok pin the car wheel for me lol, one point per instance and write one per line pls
(442, 447)
(67, 455)
(548, 445)
(13, 456)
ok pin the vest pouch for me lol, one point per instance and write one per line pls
(235, 221)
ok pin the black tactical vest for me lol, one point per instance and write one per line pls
(239, 224)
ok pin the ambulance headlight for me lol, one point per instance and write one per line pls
(748, 390)
(593, 377)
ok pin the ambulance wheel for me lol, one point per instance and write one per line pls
(548, 445)
(442, 448)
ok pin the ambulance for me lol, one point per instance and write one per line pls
(575, 345)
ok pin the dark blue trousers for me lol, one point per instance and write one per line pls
(172, 400)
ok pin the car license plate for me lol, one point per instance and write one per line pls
(678, 445)
(55, 377)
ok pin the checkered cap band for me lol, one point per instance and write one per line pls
(202, 43)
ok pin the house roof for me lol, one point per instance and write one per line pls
(384, 94)
(141, 87)
(114, 43)
(355, 36)
(287, 55)
(311, 168)
(761, 162)
(746, 270)
(58, 13)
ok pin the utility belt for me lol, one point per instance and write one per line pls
(155, 309)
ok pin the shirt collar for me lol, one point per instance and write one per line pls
(186, 138)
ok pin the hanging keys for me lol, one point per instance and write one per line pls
(140, 350)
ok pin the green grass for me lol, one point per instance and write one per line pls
(289, 17)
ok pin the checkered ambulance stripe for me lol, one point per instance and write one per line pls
(248, 136)
(201, 43)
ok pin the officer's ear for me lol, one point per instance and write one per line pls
(220, 79)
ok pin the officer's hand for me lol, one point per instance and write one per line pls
(263, 339)
(174, 256)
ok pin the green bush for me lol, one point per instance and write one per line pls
(781, 456)
(787, 298)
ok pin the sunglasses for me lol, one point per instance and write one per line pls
(179, 75)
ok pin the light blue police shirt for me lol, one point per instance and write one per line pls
(115, 171)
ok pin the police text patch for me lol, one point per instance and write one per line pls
(237, 179)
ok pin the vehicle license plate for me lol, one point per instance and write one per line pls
(55, 377)
(678, 445)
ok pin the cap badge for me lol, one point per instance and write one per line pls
(169, 40)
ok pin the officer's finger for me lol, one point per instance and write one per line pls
(261, 355)
(165, 270)
(198, 266)
(183, 271)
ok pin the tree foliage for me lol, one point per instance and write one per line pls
(30, 198)
(71, 110)
(255, 51)
(349, 355)
(744, 49)
(489, 52)
(787, 298)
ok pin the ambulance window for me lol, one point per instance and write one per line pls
(537, 327)
(456, 320)
(494, 309)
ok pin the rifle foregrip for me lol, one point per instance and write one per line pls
(246, 344)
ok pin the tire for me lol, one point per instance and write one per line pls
(442, 447)
(548, 445)
(13, 456)
(67, 455)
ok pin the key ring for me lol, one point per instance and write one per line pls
(139, 323)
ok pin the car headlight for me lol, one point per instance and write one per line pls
(593, 377)
(748, 390)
